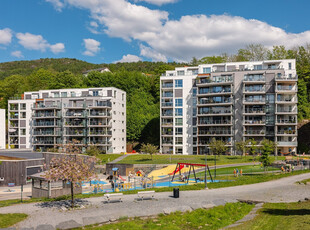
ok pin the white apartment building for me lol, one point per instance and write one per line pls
(231, 102)
(2, 129)
(48, 118)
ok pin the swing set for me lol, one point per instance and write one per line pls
(179, 166)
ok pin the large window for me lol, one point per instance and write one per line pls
(22, 106)
(180, 72)
(179, 140)
(178, 102)
(179, 112)
(178, 150)
(178, 83)
(179, 121)
(63, 94)
(289, 65)
(206, 70)
(178, 131)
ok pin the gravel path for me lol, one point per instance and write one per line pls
(282, 190)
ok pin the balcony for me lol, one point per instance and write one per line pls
(75, 123)
(167, 85)
(48, 124)
(167, 104)
(287, 132)
(98, 114)
(106, 104)
(208, 81)
(47, 133)
(13, 116)
(100, 133)
(286, 111)
(287, 143)
(254, 133)
(286, 89)
(254, 100)
(214, 132)
(75, 133)
(167, 94)
(254, 79)
(13, 107)
(13, 124)
(45, 142)
(255, 111)
(99, 124)
(254, 122)
(204, 92)
(214, 123)
(167, 124)
(215, 113)
(211, 101)
(286, 78)
(167, 133)
(75, 106)
(46, 115)
(46, 107)
(82, 114)
(286, 122)
(250, 90)
(167, 114)
(286, 100)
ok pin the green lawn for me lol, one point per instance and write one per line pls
(199, 159)
(246, 169)
(106, 158)
(214, 218)
(7, 220)
(289, 216)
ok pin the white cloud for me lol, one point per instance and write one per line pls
(92, 47)
(57, 48)
(58, 4)
(37, 42)
(129, 58)
(151, 53)
(17, 54)
(191, 35)
(157, 2)
(5, 36)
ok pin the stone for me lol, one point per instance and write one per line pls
(45, 227)
(68, 225)
(208, 205)
(196, 206)
(94, 220)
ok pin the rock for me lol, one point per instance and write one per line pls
(45, 227)
(208, 205)
(68, 225)
(196, 206)
(94, 220)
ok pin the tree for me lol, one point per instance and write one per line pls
(217, 147)
(252, 146)
(149, 148)
(72, 167)
(93, 150)
(242, 147)
(268, 147)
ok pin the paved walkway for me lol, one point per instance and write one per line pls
(282, 190)
(119, 159)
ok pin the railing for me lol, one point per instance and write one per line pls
(99, 114)
(102, 104)
(37, 115)
(214, 122)
(167, 114)
(286, 132)
(251, 78)
(13, 124)
(206, 81)
(286, 77)
(13, 134)
(286, 121)
(286, 88)
(14, 117)
(100, 133)
(167, 133)
(214, 132)
(279, 110)
(41, 133)
(214, 112)
(76, 133)
(254, 100)
(213, 92)
(254, 122)
(254, 111)
(167, 104)
(46, 124)
(45, 142)
(247, 90)
(170, 85)
(168, 124)
(253, 132)
(167, 95)
(286, 100)
(98, 123)
(76, 114)
(211, 101)
(287, 143)
(39, 106)
(75, 123)
(167, 143)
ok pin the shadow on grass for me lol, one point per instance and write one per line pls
(286, 212)
(144, 159)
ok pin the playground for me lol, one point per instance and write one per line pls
(170, 176)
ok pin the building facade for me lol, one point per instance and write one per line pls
(231, 102)
(49, 118)
(2, 129)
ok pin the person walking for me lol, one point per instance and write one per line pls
(235, 172)
(240, 172)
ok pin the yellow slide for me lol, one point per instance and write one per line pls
(165, 171)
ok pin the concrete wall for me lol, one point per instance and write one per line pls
(2, 129)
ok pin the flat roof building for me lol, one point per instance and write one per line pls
(230, 102)
(48, 118)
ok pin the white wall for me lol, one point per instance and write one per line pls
(2, 129)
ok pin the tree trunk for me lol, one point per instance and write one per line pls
(72, 195)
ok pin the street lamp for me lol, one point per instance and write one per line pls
(206, 187)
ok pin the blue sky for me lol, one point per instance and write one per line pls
(106, 31)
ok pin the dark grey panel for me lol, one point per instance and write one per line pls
(23, 140)
(22, 123)
(109, 93)
(178, 92)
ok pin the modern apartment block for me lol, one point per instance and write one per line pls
(231, 102)
(49, 118)
(2, 129)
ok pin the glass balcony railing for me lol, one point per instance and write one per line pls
(254, 132)
(167, 85)
(286, 77)
(214, 112)
(286, 88)
(206, 122)
(167, 104)
(254, 100)
(167, 114)
(203, 101)
(254, 122)
(286, 110)
(214, 132)
(254, 78)
(254, 111)
(286, 121)
(167, 95)
(286, 132)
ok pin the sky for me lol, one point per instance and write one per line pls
(109, 31)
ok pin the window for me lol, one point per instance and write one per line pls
(179, 140)
(63, 94)
(194, 101)
(178, 150)
(290, 75)
(178, 112)
(181, 72)
(194, 130)
(123, 96)
(206, 70)
(95, 93)
(23, 106)
(23, 132)
(258, 67)
(289, 65)
(194, 112)
(178, 102)
(179, 121)
(194, 140)
(194, 92)
(56, 94)
(23, 115)
(178, 131)
(178, 83)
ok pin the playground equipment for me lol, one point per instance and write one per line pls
(179, 166)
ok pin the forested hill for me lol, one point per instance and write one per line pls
(75, 66)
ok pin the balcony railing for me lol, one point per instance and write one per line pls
(214, 92)
(167, 85)
(211, 101)
(168, 124)
(251, 78)
(287, 143)
(286, 77)
(254, 100)
(254, 132)
(76, 114)
(167, 95)
(46, 106)
(100, 132)
(286, 121)
(167, 133)
(99, 114)
(98, 123)
(206, 81)
(254, 111)
(254, 122)
(286, 88)
(46, 124)
(286, 132)
(202, 122)
(43, 115)
(215, 112)
(167, 114)
(42, 133)
(214, 132)
(167, 104)
(284, 110)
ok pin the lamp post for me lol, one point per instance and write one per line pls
(206, 187)
(21, 189)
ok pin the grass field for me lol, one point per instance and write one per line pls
(106, 158)
(214, 218)
(7, 220)
(289, 216)
(199, 159)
